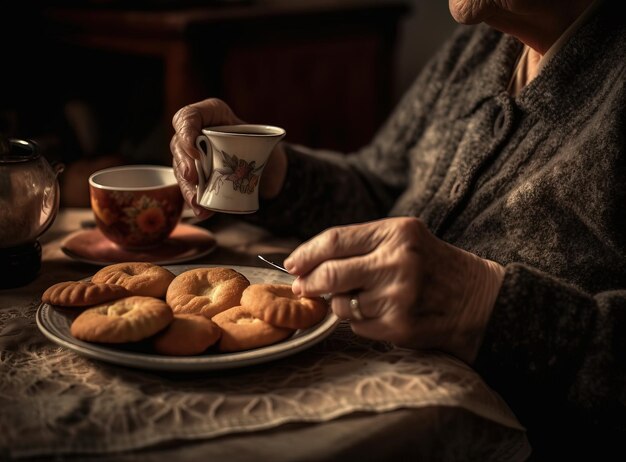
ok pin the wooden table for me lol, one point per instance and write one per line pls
(346, 398)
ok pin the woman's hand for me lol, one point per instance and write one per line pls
(188, 123)
(413, 289)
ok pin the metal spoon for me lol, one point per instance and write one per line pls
(326, 297)
(272, 263)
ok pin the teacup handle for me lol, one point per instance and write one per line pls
(204, 165)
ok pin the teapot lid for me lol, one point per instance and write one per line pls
(19, 151)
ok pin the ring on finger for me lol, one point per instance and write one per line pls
(355, 308)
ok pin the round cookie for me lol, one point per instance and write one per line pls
(140, 278)
(243, 331)
(276, 304)
(128, 319)
(206, 291)
(80, 293)
(187, 334)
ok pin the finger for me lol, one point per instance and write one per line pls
(335, 276)
(215, 111)
(188, 186)
(331, 276)
(340, 304)
(182, 161)
(385, 320)
(368, 305)
(189, 194)
(188, 125)
(374, 329)
(189, 120)
(348, 306)
(337, 242)
(185, 172)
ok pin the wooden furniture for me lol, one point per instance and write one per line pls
(322, 69)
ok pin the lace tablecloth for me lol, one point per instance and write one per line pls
(54, 402)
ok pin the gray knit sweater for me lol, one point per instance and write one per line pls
(535, 182)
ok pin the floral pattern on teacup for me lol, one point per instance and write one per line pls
(139, 219)
(145, 215)
(244, 175)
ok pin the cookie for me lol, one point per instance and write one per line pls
(206, 291)
(243, 331)
(276, 304)
(128, 319)
(187, 334)
(80, 293)
(140, 278)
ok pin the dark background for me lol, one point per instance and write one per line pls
(96, 82)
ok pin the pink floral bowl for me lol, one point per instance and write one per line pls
(136, 206)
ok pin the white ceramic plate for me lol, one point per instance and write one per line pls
(55, 323)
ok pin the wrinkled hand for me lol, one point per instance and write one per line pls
(188, 123)
(414, 289)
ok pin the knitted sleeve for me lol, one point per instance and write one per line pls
(550, 342)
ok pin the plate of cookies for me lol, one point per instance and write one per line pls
(183, 317)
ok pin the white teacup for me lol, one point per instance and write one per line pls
(230, 168)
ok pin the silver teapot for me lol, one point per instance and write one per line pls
(29, 202)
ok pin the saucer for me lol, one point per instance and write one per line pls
(187, 242)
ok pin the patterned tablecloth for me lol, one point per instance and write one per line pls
(56, 403)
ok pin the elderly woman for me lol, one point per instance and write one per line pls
(502, 178)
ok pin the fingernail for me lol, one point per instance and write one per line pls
(289, 265)
(295, 287)
(185, 171)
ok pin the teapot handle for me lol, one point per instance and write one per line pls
(57, 167)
